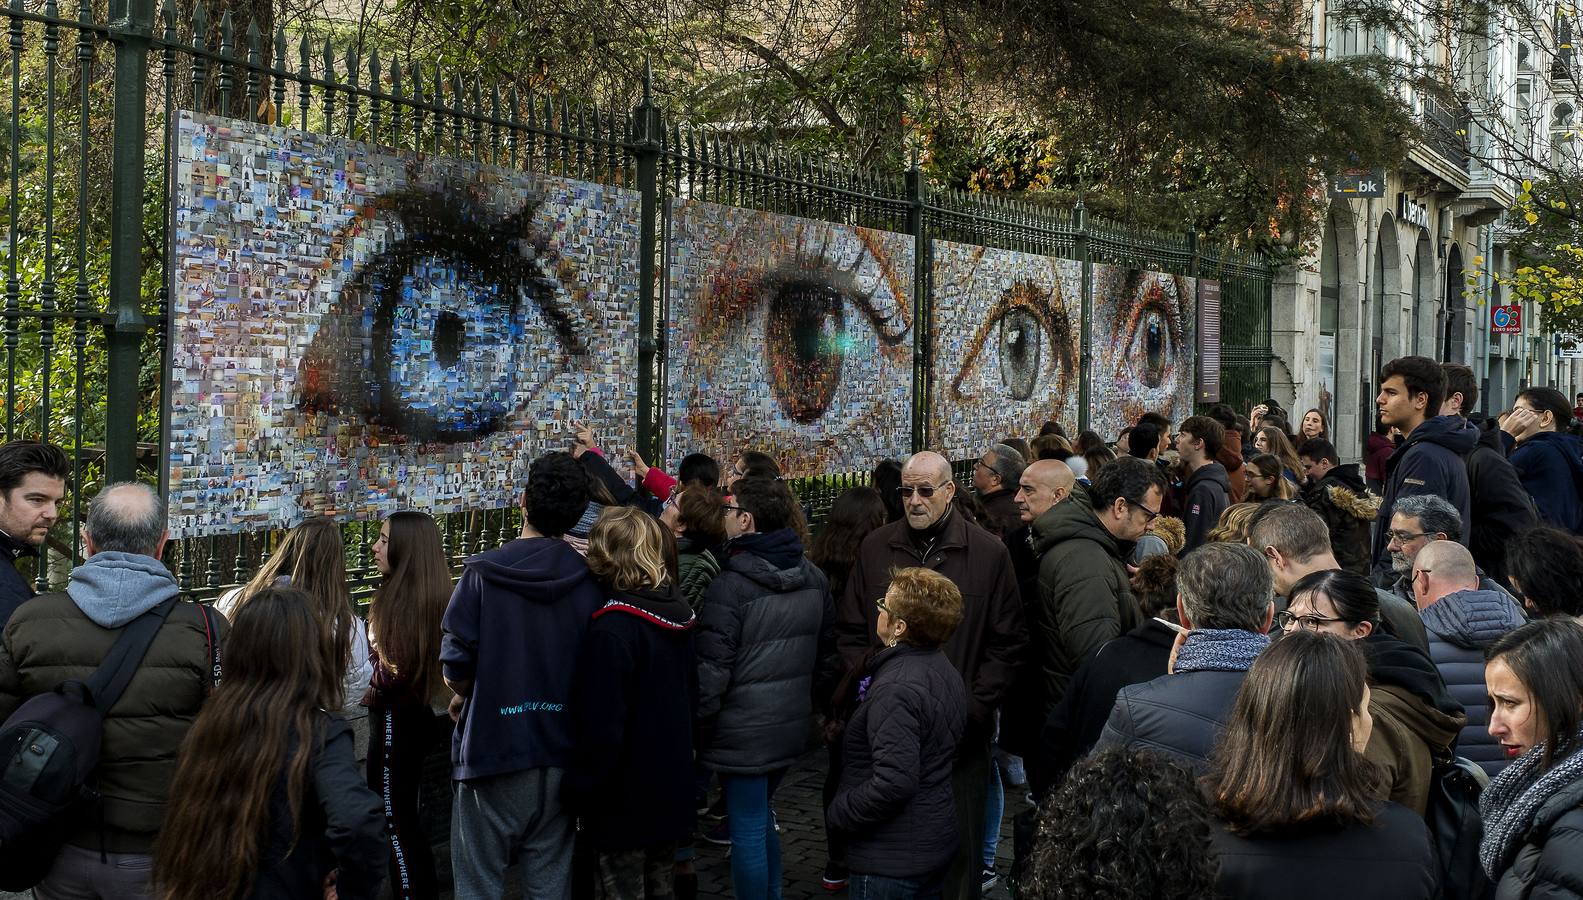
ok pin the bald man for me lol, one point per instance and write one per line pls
(1084, 596)
(1046, 483)
(1462, 621)
(986, 648)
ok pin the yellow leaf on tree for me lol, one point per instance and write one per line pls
(1531, 217)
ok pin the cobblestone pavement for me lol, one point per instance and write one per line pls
(799, 810)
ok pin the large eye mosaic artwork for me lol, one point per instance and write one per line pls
(1143, 334)
(357, 330)
(1005, 337)
(790, 336)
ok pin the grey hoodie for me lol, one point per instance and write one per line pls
(113, 588)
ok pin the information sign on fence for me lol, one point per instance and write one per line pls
(1208, 341)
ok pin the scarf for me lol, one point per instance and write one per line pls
(1515, 795)
(1219, 650)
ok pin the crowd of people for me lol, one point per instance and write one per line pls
(1219, 661)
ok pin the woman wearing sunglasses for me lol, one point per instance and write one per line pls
(1416, 720)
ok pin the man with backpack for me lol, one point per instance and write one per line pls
(56, 637)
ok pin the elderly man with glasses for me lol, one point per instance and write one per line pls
(1416, 522)
(986, 648)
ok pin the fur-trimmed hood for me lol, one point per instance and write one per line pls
(1345, 490)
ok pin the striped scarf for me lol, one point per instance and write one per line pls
(1509, 803)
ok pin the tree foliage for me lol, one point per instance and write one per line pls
(1163, 112)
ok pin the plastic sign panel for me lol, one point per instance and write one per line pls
(1506, 320)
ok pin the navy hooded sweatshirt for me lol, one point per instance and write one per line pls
(1430, 461)
(1550, 465)
(515, 627)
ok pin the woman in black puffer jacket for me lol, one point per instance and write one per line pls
(1533, 810)
(894, 805)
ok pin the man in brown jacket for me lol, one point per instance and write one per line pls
(986, 648)
(65, 635)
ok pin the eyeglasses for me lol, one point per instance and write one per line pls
(1405, 537)
(728, 508)
(880, 605)
(1150, 514)
(1418, 572)
(923, 490)
(1312, 622)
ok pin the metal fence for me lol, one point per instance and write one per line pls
(88, 166)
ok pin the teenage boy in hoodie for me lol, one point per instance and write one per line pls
(1206, 493)
(1430, 460)
(514, 632)
(59, 636)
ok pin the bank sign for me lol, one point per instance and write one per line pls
(1506, 320)
(1358, 183)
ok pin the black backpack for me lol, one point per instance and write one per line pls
(1456, 828)
(49, 749)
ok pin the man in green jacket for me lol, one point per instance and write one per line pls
(65, 635)
(1084, 596)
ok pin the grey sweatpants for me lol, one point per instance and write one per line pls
(80, 874)
(515, 816)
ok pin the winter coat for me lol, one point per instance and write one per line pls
(1205, 496)
(696, 566)
(894, 806)
(1085, 599)
(1428, 462)
(631, 784)
(1391, 859)
(1377, 452)
(1462, 625)
(1548, 864)
(767, 623)
(1230, 458)
(1001, 515)
(1181, 715)
(60, 636)
(1550, 465)
(515, 628)
(1416, 720)
(340, 827)
(1344, 502)
(987, 647)
(1501, 505)
(1075, 724)
(14, 589)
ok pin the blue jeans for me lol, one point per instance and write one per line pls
(755, 846)
(993, 810)
(878, 887)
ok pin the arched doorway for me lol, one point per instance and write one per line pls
(1341, 256)
(1456, 335)
(1385, 314)
(1425, 298)
(1329, 320)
